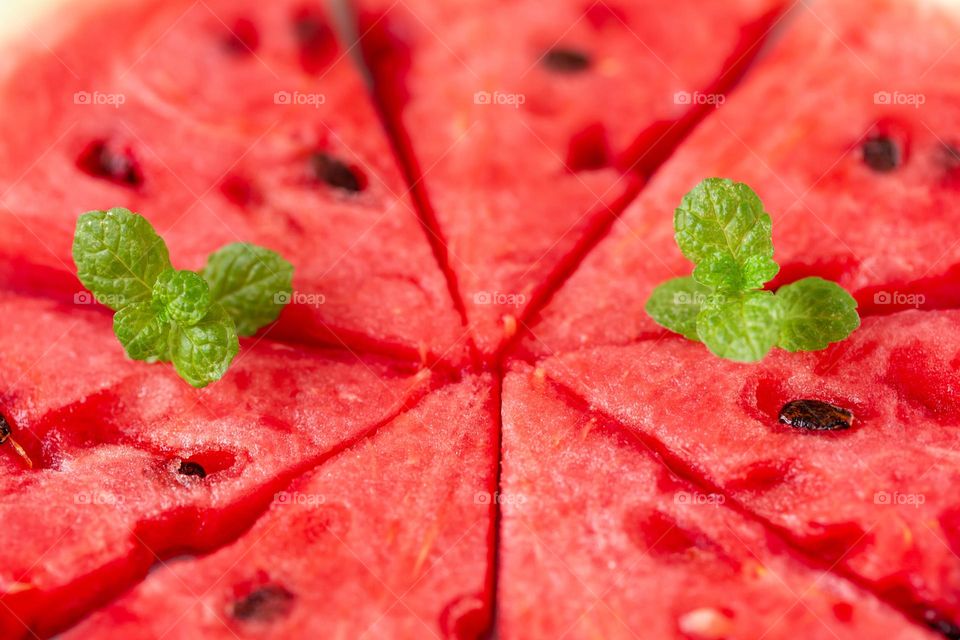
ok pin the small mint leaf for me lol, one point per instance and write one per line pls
(742, 328)
(143, 331)
(816, 312)
(183, 295)
(252, 283)
(118, 256)
(722, 223)
(202, 352)
(676, 303)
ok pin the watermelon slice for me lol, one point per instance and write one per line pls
(391, 539)
(855, 159)
(873, 500)
(669, 560)
(251, 144)
(150, 468)
(514, 154)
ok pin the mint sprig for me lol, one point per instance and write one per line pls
(721, 226)
(162, 314)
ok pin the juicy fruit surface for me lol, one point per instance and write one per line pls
(814, 151)
(701, 569)
(521, 146)
(268, 139)
(875, 501)
(418, 569)
(344, 478)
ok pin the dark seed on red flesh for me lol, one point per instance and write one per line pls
(815, 415)
(264, 604)
(190, 468)
(941, 625)
(4, 430)
(881, 154)
(101, 161)
(327, 169)
(566, 60)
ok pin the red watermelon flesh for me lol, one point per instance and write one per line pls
(388, 539)
(513, 153)
(602, 540)
(875, 501)
(209, 157)
(116, 487)
(886, 235)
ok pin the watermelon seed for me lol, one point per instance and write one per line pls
(243, 38)
(265, 603)
(881, 153)
(325, 168)
(941, 625)
(100, 161)
(815, 415)
(315, 39)
(566, 60)
(5, 438)
(190, 468)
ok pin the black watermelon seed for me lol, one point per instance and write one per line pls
(190, 468)
(941, 625)
(881, 153)
(325, 168)
(815, 415)
(566, 60)
(100, 161)
(266, 603)
(4, 429)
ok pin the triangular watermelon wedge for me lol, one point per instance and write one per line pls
(392, 538)
(873, 499)
(149, 467)
(667, 558)
(252, 145)
(515, 122)
(855, 158)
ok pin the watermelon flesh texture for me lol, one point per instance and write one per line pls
(388, 539)
(210, 155)
(875, 502)
(115, 486)
(515, 153)
(700, 569)
(886, 235)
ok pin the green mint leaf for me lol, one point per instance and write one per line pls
(721, 225)
(742, 328)
(202, 352)
(143, 331)
(816, 312)
(183, 295)
(252, 283)
(676, 303)
(118, 256)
